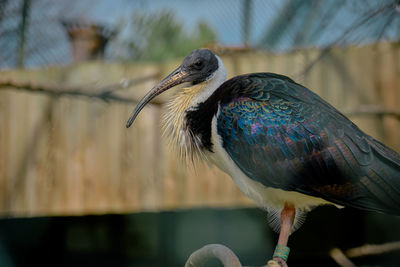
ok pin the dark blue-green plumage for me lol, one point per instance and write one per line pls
(284, 136)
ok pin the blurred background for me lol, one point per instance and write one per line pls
(79, 189)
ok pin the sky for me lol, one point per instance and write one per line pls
(223, 15)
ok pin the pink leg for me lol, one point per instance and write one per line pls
(287, 218)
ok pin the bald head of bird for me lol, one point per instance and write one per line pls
(197, 69)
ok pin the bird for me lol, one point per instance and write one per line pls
(284, 146)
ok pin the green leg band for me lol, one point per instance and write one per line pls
(282, 251)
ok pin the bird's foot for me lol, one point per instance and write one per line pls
(277, 262)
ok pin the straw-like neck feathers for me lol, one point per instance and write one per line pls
(188, 141)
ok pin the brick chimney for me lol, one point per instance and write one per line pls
(88, 40)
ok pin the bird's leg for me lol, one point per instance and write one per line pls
(287, 218)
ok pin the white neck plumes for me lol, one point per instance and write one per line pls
(187, 98)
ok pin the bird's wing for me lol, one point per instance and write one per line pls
(282, 135)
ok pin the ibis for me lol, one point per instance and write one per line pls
(284, 146)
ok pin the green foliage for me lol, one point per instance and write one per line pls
(160, 36)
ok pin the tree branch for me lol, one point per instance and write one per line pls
(343, 36)
(105, 93)
(368, 250)
(342, 258)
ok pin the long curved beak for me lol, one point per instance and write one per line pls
(176, 77)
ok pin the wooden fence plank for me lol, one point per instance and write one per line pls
(61, 156)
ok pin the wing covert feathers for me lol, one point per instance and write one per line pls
(282, 135)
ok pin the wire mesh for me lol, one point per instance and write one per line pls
(271, 25)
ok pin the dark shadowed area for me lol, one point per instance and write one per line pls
(167, 238)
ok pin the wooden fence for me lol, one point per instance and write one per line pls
(71, 154)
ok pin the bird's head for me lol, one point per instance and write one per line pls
(198, 67)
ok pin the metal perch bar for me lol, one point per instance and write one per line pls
(229, 259)
(221, 252)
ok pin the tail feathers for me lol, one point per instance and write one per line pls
(381, 196)
(384, 187)
(382, 181)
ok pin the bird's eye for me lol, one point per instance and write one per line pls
(198, 64)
